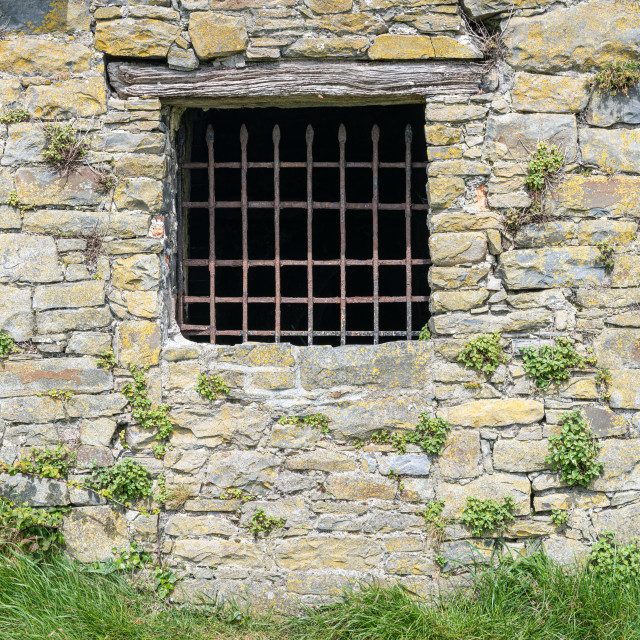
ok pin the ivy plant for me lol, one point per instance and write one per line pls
(260, 522)
(33, 530)
(575, 450)
(617, 77)
(46, 463)
(430, 434)
(107, 359)
(620, 563)
(318, 420)
(211, 386)
(126, 481)
(488, 516)
(559, 517)
(7, 345)
(553, 363)
(483, 353)
(148, 416)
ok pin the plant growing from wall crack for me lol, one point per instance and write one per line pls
(33, 530)
(260, 522)
(211, 386)
(7, 345)
(46, 463)
(319, 420)
(107, 360)
(483, 353)
(620, 563)
(436, 524)
(126, 481)
(603, 380)
(606, 255)
(64, 149)
(430, 434)
(142, 409)
(617, 77)
(13, 116)
(574, 452)
(488, 516)
(559, 517)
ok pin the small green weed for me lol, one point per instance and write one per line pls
(131, 559)
(425, 334)
(13, 116)
(575, 450)
(237, 494)
(621, 563)
(64, 150)
(127, 481)
(553, 363)
(107, 359)
(33, 530)
(60, 394)
(164, 581)
(483, 353)
(559, 517)
(617, 77)
(436, 524)
(430, 434)
(543, 167)
(13, 200)
(46, 463)
(603, 380)
(607, 251)
(211, 386)
(488, 516)
(7, 345)
(318, 420)
(260, 522)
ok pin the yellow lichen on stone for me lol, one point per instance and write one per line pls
(401, 47)
(494, 413)
(550, 94)
(214, 34)
(136, 38)
(330, 6)
(75, 98)
(448, 47)
(340, 47)
(30, 56)
(138, 343)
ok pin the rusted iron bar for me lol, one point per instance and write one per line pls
(342, 139)
(276, 214)
(180, 222)
(212, 234)
(408, 137)
(375, 138)
(309, 142)
(244, 137)
(302, 204)
(350, 262)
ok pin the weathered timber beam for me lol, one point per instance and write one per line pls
(283, 79)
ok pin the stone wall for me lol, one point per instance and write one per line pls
(65, 299)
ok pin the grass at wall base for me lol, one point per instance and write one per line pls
(527, 598)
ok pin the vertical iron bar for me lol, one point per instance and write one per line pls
(212, 239)
(309, 141)
(342, 138)
(182, 213)
(408, 135)
(276, 211)
(375, 137)
(244, 137)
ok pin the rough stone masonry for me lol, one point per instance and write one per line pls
(347, 516)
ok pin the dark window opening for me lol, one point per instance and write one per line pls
(306, 226)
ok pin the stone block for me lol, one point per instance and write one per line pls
(330, 6)
(401, 47)
(230, 423)
(352, 554)
(566, 500)
(215, 34)
(42, 187)
(84, 98)
(493, 413)
(86, 222)
(127, 142)
(458, 168)
(626, 272)
(32, 410)
(405, 465)
(62, 320)
(457, 277)
(349, 23)
(25, 143)
(565, 550)
(93, 406)
(252, 471)
(444, 191)
(257, 355)
(330, 461)
(337, 47)
(599, 195)
(76, 294)
(412, 564)
(455, 112)
(522, 132)
(593, 33)
(481, 9)
(136, 273)
(97, 432)
(443, 301)
(317, 584)
(28, 259)
(89, 343)
(275, 380)
(547, 268)
(618, 349)
(611, 149)
(139, 194)
(29, 56)
(297, 436)
(146, 38)
(550, 94)
(464, 221)
(625, 521)
(139, 165)
(453, 48)
(139, 343)
(37, 492)
(29, 377)
(216, 552)
(10, 217)
(604, 422)
(460, 457)
(495, 486)
(354, 487)
(455, 323)
(621, 459)
(520, 455)
(16, 318)
(442, 134)
(9, 91)
(92, 532)
(606, 109)
(185, 526)
(449, 249)
(188, 461)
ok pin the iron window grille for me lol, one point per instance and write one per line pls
(256, 268)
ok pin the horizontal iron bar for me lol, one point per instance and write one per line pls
(203, 262)
(302, 165)
(300, 204)
(191, 329)
(303, 299)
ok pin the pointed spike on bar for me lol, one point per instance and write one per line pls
(309, 134)
(275, 136)
(244, 134)
(342, 134)
(375, 133)
(408, 133)
(210, 133)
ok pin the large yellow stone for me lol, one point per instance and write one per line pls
(550, 94)
(349, 23)
(443, 191)
(493, 413)
(28, 56)
(342, 47)
(74, 98)
(448, 47)
(215, 34)
(401, 47)
(353, 554)
(136, 38)
(9, 91)
(139, 343)
(330, 6)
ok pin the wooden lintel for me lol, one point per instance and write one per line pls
(350, 80)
